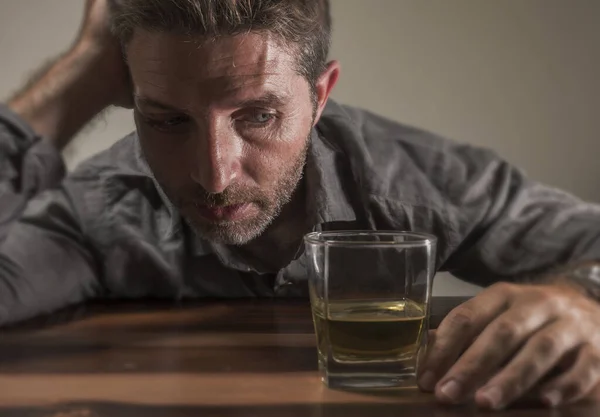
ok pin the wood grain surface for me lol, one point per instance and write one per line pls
(215, 358)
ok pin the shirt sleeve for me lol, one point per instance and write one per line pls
(46, 260)
(508, 226)
(28, 166)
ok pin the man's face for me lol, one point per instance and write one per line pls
(224, 126)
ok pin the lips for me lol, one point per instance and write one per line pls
(223, 213)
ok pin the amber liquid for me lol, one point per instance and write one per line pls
(363, 331)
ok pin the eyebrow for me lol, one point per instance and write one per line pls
(147, 101)
(268, 99)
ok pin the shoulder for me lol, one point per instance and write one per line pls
(399, 162)
(122, 158)
(112, 181)
(119, 167)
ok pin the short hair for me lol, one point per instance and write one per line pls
(301, 24)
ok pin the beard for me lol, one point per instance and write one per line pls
(269, 204)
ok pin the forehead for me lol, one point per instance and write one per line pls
(177, 65)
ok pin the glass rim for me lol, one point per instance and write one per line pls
(321, 238)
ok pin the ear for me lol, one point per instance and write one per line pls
(325, 85)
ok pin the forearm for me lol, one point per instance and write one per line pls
(28, 166)
(45, 261)
(512, 228)
(67, 95)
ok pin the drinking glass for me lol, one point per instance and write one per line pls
(370, 293)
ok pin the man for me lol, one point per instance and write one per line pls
(238, 153)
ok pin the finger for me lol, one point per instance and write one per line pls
(575, 383)
(538, 356)
(457, 331)
(494, 346)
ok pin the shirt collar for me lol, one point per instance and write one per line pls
(173, 225)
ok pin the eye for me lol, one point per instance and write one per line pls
(176, 124)
(262, 117)
(257, 117)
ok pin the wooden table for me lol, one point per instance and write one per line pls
(222, 358)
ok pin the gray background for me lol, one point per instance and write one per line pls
(518, 76)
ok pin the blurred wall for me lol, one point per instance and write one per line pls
(518, 76)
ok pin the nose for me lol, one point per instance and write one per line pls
(217, 161)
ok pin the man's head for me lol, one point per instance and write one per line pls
(226, 94)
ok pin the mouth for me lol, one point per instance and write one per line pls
(227, 213)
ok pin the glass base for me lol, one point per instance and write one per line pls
(363, 381)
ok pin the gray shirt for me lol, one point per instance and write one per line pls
(107, 230)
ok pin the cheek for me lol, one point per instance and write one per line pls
(266, 164)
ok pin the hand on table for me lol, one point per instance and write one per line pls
(503, 343)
